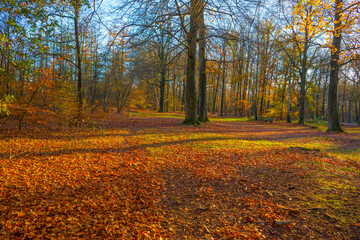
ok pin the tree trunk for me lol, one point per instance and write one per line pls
(318, 96)
(222, 100)
(215, 93)
(288, 110)
(256, 89)
(343, 103)
(183, 90)
(163, 66)
(202, 69)
(357, 111)
(333, 123)
(162, 90)
(174, 92)
(324, 98)
(303, 74)
(190, 108)
(78, 59)
(155, 95)
(349, 111)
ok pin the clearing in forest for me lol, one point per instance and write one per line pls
(146, 176)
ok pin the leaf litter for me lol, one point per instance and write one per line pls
(152, 178)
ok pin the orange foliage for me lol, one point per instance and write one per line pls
(152, 178)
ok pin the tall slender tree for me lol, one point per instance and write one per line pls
(76, 4)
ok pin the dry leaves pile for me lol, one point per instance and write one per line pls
(152, 178)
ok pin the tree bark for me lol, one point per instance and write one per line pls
(202, 69)
(324, 98)
(163, 68)
(162, 90)
(190, 91)
(222, 100)
(357, 112)
(256, 88)
(333, 123)
(217, 83)
(78, 58)
(288, 109)
(303, 74)
(349, 111)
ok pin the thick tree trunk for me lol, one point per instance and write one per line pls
(333, 123)
(202, 69)
(190, 109)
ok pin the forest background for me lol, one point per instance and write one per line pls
(84, 155)
(287, 60)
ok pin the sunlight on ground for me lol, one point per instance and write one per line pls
(90, 174)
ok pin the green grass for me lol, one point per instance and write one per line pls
(152, 115)
(242, 119)
(325, 201)
(317, 123)
(336, 185)
(174, 115)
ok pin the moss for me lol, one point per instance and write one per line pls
(336, 185)
(242, 119)
(324, 201)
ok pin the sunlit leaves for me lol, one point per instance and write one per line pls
(154, 178)
(314, 17)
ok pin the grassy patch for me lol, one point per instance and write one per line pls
(242, 119)
(317, 123)
(345, 152)
(237, 144)
(325, 201)
(152, 115)
(336, 185)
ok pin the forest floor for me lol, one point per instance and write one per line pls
(146, 176)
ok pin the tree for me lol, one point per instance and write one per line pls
(306, 25)
(202, 68)
(162, 44)
(190, 86)
(76, 4)
(333, 121)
